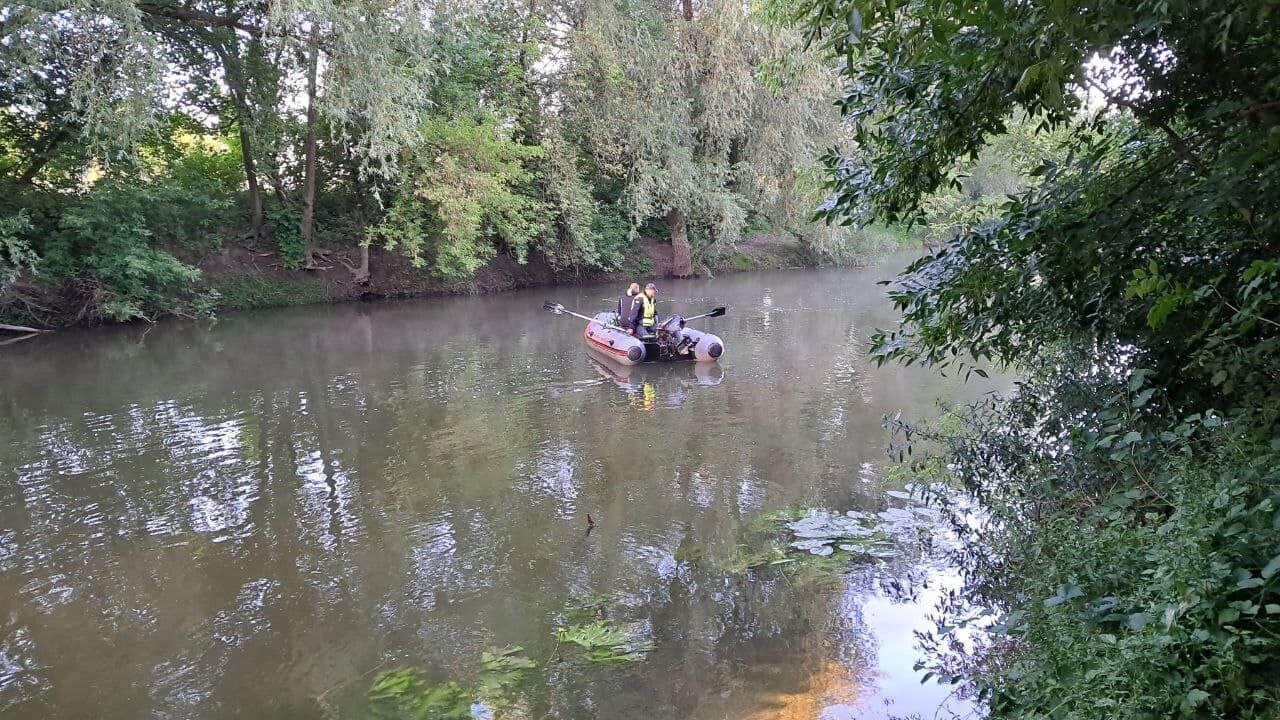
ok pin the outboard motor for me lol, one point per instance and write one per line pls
(671, 337)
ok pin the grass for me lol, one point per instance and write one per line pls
(741, 260)
(893, 234)
(247, 292)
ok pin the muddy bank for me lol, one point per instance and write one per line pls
(246, 277)
(391, 275)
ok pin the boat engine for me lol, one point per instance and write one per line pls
(672, 341)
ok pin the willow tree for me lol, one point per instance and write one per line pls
(107, 72)
(702, 112)
(366, 69)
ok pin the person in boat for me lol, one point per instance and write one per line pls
(624, 302)
(648, 312)
(630, 309)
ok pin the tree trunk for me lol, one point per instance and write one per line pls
(362, 274)
(306, 227)
(233, 74)
(687, 7)
(681, 262)
(43, 156)
(251, 176)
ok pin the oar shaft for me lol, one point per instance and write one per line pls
(591, 319)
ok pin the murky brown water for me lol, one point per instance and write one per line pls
(251, 520)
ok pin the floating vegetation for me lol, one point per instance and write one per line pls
(582, 609)
(605, 643)
(827, 541)
(405, 693)
(501, 671)
(823, 533)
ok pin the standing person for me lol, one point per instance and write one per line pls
(630, 308)
(649, 311)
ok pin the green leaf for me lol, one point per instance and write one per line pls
(1271, 568)
(1194, 698)
(1138, 378)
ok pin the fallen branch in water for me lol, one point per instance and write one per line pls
(22, 329)
(20, 338)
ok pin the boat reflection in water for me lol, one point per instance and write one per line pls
(649, 382)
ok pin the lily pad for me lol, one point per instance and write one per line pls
(820, 546)
(828, 526)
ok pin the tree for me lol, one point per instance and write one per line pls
(1111, 508)
(1160, 233)
(701, 114)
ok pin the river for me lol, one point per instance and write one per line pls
(256, 518)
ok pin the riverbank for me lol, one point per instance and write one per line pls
(247, 277)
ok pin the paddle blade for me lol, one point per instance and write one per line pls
(556, 308)
(716, 313)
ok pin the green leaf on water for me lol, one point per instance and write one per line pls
(404, 693)
(605, 643)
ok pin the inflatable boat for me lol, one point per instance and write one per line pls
(672, 341)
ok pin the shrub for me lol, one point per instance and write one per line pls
(469, 187)
(105, 240)
(287, 233)
(1113, 554)
(15, 247)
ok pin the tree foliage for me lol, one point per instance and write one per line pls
(1125, 549)
(554, 129)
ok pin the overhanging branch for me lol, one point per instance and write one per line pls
(198, 17)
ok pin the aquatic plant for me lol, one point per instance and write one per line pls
(825, 540)
(582, 609)
(405, 693)
(605, 643)
(500, 671)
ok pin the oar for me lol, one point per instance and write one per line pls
(714, 313)
(559, 309)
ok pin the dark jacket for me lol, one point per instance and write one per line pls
(629, 310)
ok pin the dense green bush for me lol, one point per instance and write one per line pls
(16, 254)
(1101, 554)
(470, 186)
(283, 223)
(105, 240)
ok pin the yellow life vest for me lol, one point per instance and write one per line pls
(650, 310)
